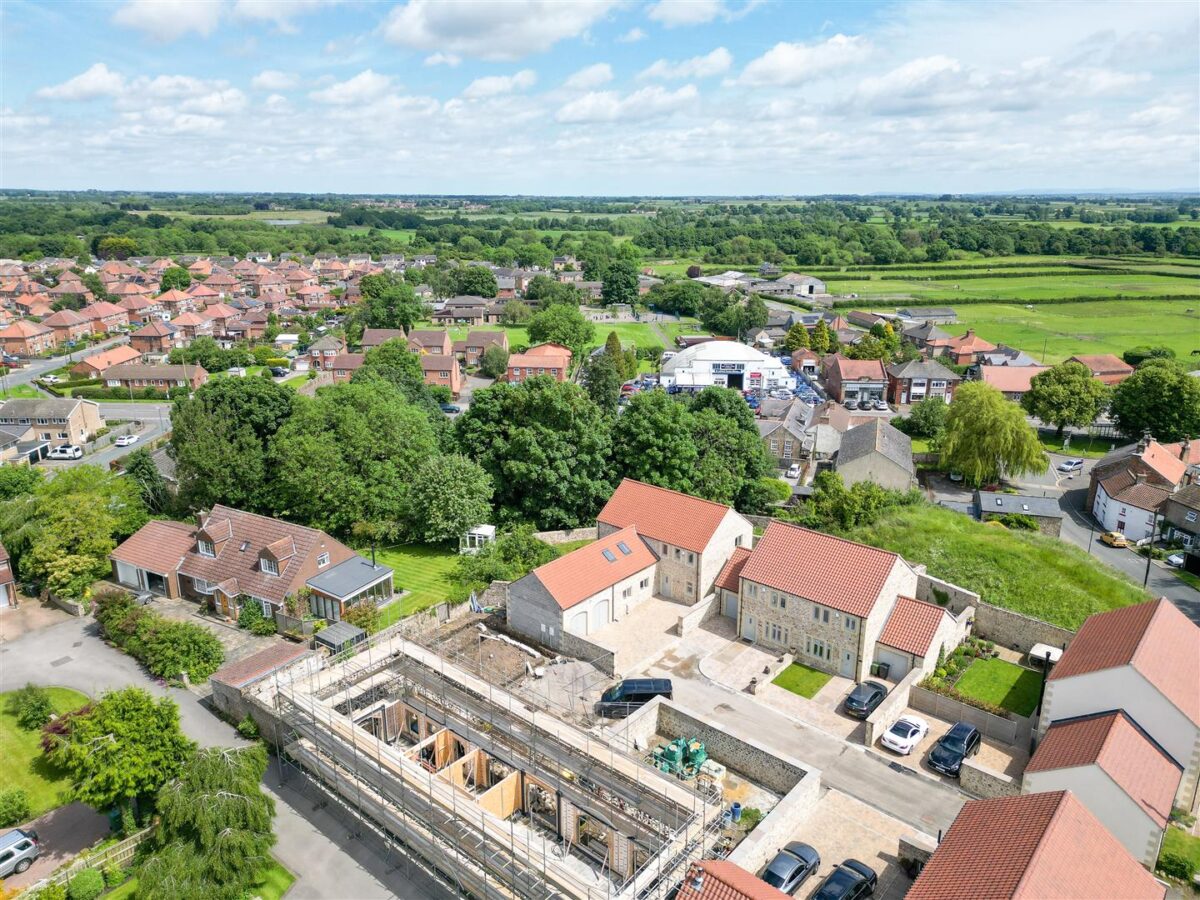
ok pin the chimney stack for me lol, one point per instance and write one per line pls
(1184, 446)
(1139, 478)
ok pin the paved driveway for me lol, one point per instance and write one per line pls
(65, 833)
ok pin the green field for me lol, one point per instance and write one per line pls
(1027, 572)
(801, 679)
(1088, 448)
(422, 570)
(1001, 683)
(25, 766)
(20, 390)
(1028, 288)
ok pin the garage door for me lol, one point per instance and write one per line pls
(729, 606)
(127, 574)
(898, 662)
(578, 623)
(599, 615)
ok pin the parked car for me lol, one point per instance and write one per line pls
(960, 742)
(449, 408)
(18, 849)
(1114, 539)
(66, 451)
(1175, 559)
(1070, 465)
(905, 734)
(793, 470)
(861, 701)
(851, 404)
(852, 880)
(956, 477)
(633, 693)
(126, 440)
(880, 405)
(792, 866)
(279, 371)
(50, 379)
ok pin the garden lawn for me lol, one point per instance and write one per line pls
(272, 886)
(295, 381)
(637, 333)
(1083, 447)
(1001, 683)
(1026, 572)
(422, 570)
(25, 766)
(802, 680)
(20, 390)
(1179, 842)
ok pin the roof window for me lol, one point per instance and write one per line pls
(608, 554)
(624, 548)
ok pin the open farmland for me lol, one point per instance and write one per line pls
(1026, 287)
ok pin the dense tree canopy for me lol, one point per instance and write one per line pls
(1066, 394)
(449, 495)
(987, 436)
(1160, 398)
(564, 325)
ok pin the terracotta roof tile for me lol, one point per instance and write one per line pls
(729, 579)
(1034, 847)
(725, 880)
(1010, 379)
(582, 573)
(912, 625)
(834, 572)
(253, 667)
(854, 369)
(23, 329)
(1114, 743)
(158, 546)
(1155, 638)
(664, 515)
(1164, 461)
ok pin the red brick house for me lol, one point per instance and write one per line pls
(135, 376)
(175, 302)
(920, 379)
(156, 337)
(346, 364)
(193, 325)
(544, 359)
(323, 351)
(853, 379)
(25, 338)
(470, 350)
(443, 369)
(967, 349)
(140, 309)
(104, 316)
(430, 341)
(1105, 367)
(98, 363)
(67, 326)
(373, 337)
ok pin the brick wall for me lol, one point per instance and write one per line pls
(980, 781)
(567, 536)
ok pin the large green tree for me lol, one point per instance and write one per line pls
(494, 362)
(987, 436)
(653, 442)
(1065, 394)
(602, 381)
(175, 278)
(796, 338)
(731, 458)
(562, 325)
(126, 745)
(1160, 398)
(547, 292)
(620, 283)
(729, 403)
(680, 297)
(388, 301)
(139, 466)
(448, 496)
(546, 446)
(473, 281)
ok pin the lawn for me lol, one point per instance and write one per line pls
(1179, 842)
(1001, 683)
(423, 570)
(1023, 571)
(1085, 447)
(1029, 288)
(637, 333)
(802, 680)
(20, 390)
(272, 886)
(566, 548)
(295, 381)
(25, 766)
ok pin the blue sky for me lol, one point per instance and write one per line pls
(600, 96)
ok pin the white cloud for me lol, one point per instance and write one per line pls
(697, 67)
(1091, 81)
(442, 59)
(279, 12)
(166, 20)
(1159, 114)
(672, 13)
(172, 87)
(490, 30)
(366, 85)
(273, 80)
(217, 103)
(632, 36)
(610, 106)
(927, 81)
(98, 81)
(494, 85)
(590, 77)
(786, 65)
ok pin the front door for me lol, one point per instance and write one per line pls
(847, 664)
(749, 630)
(666, 587)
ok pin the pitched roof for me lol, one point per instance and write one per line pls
(856, 369)
(165, 373)
(111, 357)
(1125, 487)
(22, 328)
(373, 337)
(970, 343)
(1105, 366)
(580, 574)
(438, 362)
(1025, 504)
(664, 515)
(39, 407)
(1164, 461)
(1031, 847)
(64, 318)
(158, 546)
(912, 625)
(720, 879)
(1117, 745)
(876, 436)
(923, 368)
(1155, 638)
(156, 328)
(257, 665)
(728, 579)
(101, 309)
(1189, 454)
(348, 360)
(1010, 379)
(832, 571)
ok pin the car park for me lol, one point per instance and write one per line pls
(861, 701)
(880, 405)
(126, 440)
(953, 748)
(905, 734)
(1070, 465)
(792, 866)
(1114, 539)
(65, 451)
(852, 880)
(1175, 560)
(851, 404)
(793, 470)
(18, 849)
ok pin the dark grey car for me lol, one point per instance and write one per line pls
(791, 867)
(852, 880)
(861, 701)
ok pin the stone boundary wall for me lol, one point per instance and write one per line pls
(1011, 729)
(779, 826)
(698, 615)
(1016, 630)
(581, 648)
(892, 707)
(980, 781)
(567, 536)
(69, 606)
(935, 590)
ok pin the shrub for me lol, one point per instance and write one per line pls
(171, 648)
(252, 619)
(1175, 865)
(32, 707)
(14, 807)
(1018, 521)
(364, 615)
(86, 885)
(248, 729)
(114, 875)
(52, 892)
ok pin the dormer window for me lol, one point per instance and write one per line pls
(322, 560)
(205, 548)
(268, 565)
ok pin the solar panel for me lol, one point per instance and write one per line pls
(623, 548)
(608, 554)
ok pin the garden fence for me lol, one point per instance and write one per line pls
(119, 854)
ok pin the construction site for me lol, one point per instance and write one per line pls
(496, 797)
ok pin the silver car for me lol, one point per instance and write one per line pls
(18, 850)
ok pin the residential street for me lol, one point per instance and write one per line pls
(37, 368)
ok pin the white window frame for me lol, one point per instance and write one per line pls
(268, 566)
(206, 548)
(322, 560)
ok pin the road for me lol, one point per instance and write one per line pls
(156, 421)
(38, 367)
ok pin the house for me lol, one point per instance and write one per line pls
(135, 376)
(1180, 517)
(25, 338)
(155, 338)
(68, 326)
(967, 349)
(346, 364)
(1144, 660)
(693, 538)
(176, 302)
(65, 421)
(1116, 770)
(1013, 382)
(1129, 487)
(543, 359)
(727, 364)
(1032, 847)
(876, 451)
(784, 437)
(919, 379)
(442, 369)
(470, 350)
(585, 590)
(373, 337)
(1006, 356)
(230, 556)
(105, 317)
(323, 351)
(430, 341)
(934, 315)
(141, 309)
(806, 362)
(95, 365)
(853, 379)
(8, 586)
(1105, 367)
(720, 879)
(1045, 511)
(193, 325)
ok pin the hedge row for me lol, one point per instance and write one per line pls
(118, 393)
(166, 648)
(981, 262)
(1073, 273)
(969, 301)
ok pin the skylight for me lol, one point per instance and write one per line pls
(608, 554)
(621, 545)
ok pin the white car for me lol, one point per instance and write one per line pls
(125, 440)
(66, 451)
(793, 470)
(50, 379)
(1070, 465)
(905, 734)
(1175, 559)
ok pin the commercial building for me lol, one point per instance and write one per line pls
(726, 364)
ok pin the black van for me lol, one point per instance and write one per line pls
(625, 696)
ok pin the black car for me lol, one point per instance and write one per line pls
(852, 880)
(947, 755)
(633, 693)
(861, 701)
(278, 371)
(792, 866)
(450, 408)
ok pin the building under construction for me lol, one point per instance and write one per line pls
(498, 799)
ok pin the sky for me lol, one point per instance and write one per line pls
(600, 97)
